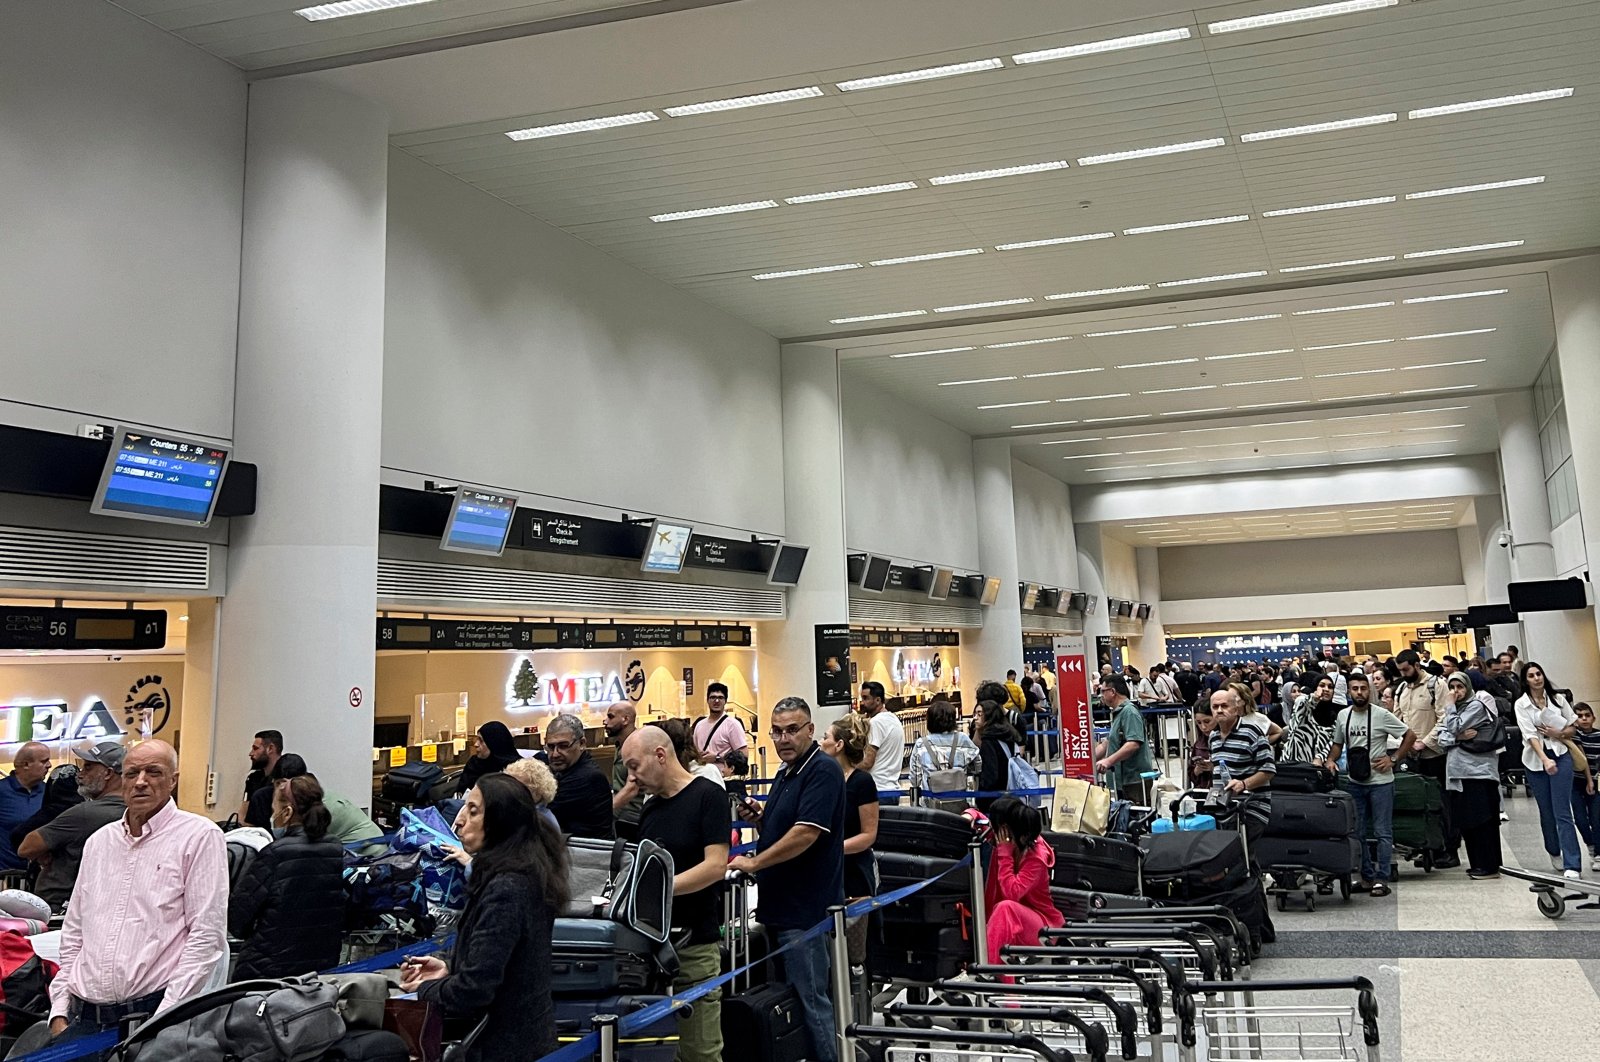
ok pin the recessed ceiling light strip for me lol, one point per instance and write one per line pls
(1343, 309)
(1151, 152)
(927, 73)
(1444, 364)
(1045, 424)
(1274, 380)
(1315, 208)
(1061, 372)
(1464, 250)
(1192, 412)
(1054, 241)
(1113, 44)
(1156, 364)
(1342, 346)
(1249, 354)
(980, 305)
(931, 256)
(1452, 335)
(1172, 226)
(1488, 104)
(1095, 398)
(706, 212)
(1234, 320)
(926, 353)
(1003, 171)
(584, 125)
(984, 380)
(1017, 405)
(1031, 343)
(780, 274)
(1179, 390)
(1338, 265)
(1335, 126)
(878, 316)
(1464, 189)
(1457, 295)
(1212, 279)
(1099, 291)
(1130, 331)
(851, 193)
(1297, 14)
(1353, 372)
(734, 103)
(345, 8)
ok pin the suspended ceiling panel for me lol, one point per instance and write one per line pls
(605, 186)
(1327, 521)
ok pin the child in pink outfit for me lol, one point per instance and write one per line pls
(1017, 893)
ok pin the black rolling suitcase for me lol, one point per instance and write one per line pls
(919, 953)
(765, 1024)
(1248, 902)
(1095, 864)
(939, 903)
(1076, 905)
(922, 831)
(591, 958)
(654, 1043)
(408, 786)
(1318, 815)
(1338, 857)
(1302, 778)
(1193, 866)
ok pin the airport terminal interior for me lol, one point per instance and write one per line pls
(374, 371)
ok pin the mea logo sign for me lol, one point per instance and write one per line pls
(146, 710)
(148, 706)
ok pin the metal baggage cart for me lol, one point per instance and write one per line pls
(1326, 1028)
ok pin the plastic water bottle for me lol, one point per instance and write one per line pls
(1220, 778)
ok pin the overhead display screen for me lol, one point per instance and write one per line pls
(787, 563)
(479, 522)
(942, 580)
(160, 477)
(876, 575)
(666, 546)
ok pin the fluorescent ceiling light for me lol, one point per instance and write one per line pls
(1159, 450)
(1150, 152)
(585, 125)
(1069, 442)
(1179, 390)
(878, 316)
(1271, 405)
(927, 73)
(706, 212)
(1084, 457)
(1342, 309)
(1053, 241)
(1449, 335)
(1131, 331)
(1444, 364)
(1099, 291)
(1212, 280)
(1032, 343)
(980, 305)
(984, 380)
(851, 193)
(780, 274)
(1234, 320)
(1357, 398)
(1249, 354)
(1061, 372)
(1457, 295)
(1360, 416)
(1141, 435)
(1003, 171)
(1464, 250)
(1094, 398)
(1342, 346)
(1113, 44)
(925, 353)
(1432, 390)
(1463, 189)
(1156, 364)
(1437, 427)
(1108, 420)
(1141, 229)
(1352, 372)
(1297, 14)
(931, 256)
(1046, 424)
(346, 8)
(1190, 412)
(1338, 265)
(1017, 405)
(1320, 127)
(760, 99)
(1274, 380)
(1484, 105)
(1317, 207)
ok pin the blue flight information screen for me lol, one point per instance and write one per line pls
(480, 522)
(156, 477)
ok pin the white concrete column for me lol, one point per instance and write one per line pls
(1153, 642)
(1496, 569)
(1562, 641)
(197, 724)
(297, 631)
(1575, 298)
(813, 515)
(1091, 573)
(989, 653)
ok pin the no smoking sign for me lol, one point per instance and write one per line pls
(355, 696)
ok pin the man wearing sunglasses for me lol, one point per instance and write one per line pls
(799, 860)
(582, 803)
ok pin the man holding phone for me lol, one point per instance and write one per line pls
(1365, 729)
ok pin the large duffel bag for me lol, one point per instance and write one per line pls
(918, 953)
(1076, 905)
(922, 831)
(657, 1042)
(939, 903)
(593, 957)
(1302, 778)
(1192, 866)
(1418, 813)
(1320, 815)
(766, 1024)
(1248, 901)
(1095, 864)
(1337, 856)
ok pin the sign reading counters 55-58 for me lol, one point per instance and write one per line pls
(164, 478)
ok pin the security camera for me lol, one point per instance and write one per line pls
(1504, 540)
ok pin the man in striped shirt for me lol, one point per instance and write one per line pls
(1249, 760)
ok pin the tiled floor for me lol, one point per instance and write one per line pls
(1462, 969)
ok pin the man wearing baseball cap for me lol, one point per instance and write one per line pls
(57, 846)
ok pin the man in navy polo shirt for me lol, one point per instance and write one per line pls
(799, 860)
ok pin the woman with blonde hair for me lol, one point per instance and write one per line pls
(1252, 719)
(846, 741)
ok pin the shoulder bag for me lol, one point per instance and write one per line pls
(946, 779)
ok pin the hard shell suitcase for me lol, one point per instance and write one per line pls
(922, 831)
(657, 1042)
(1077, 905)
(919, 953)
(409, 784)
(1319, 815)
(593, 957)
(919, 907)
(1094, 863)
(897, 869)
(1188, 866)
(765, 1024)
(1338, 856)
(1302, 778)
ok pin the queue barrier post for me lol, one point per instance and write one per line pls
(980, 914)
(843, 1003)
(606, 1026)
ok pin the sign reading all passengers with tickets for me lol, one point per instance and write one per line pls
(1077, 721)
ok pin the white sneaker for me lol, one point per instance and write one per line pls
(1571, 875)
(1504, 817)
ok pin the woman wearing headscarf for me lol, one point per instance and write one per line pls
(492, 751)
(1472, 771)
(1309, 734)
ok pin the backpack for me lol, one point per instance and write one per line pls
(24, 983)
(283, 1021)
(1020, 775)
(946, 779)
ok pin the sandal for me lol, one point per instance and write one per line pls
(1361, 886)
(1380, 889)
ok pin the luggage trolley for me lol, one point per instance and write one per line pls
(1331, 1031)
(1123, 1005)
(919, 1045)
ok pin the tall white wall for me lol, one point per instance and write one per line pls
(1047, 544)
(908, 481)
(1308, 566)
(518, 356)
(122, 171)
(1121, 574)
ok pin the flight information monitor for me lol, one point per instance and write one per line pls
(480, 522)
(160, 477)
(665, 548)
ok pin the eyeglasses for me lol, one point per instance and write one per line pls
(789, 731)
(560, 746)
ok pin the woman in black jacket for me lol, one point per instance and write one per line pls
(500, 966)
(493, 750)
(289, 906)
(997, 742)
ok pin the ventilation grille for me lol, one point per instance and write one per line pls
(411, 582)
(909, 614)
(1051, 625)
(73, 558)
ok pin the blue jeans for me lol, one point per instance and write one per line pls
(1552, 792)
(1375, 805)
(1586, 811)
(807, 967)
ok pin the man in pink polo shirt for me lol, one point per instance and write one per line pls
(718, 733)
(147, 922)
